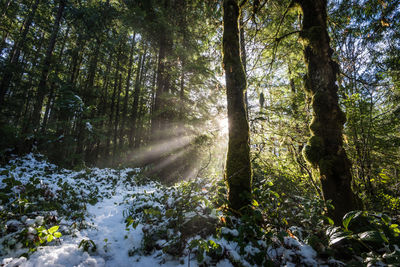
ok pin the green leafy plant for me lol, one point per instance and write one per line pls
(88, 245)
(372, 235)
(47, 235)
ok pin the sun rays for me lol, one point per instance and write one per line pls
(180, 153)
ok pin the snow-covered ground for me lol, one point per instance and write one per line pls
(108, 233)
(92, 208)
(107, 227)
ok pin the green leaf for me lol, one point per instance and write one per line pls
(57, 234)
(129, 221)
(194, 243)
(53, 229)
(255, 203)
(50, 238)
(386, 219)
(372, 236)
(348, 217)
(329, 220)
(337, 237)
(40, 229)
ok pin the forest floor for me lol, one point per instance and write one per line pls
(113, 217)
(103, 224)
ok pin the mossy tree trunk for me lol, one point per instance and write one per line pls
(238, 167)
(325, 148)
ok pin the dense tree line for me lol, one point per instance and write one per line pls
(92, 81)
(312, 91)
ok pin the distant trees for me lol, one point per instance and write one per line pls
(91, 81)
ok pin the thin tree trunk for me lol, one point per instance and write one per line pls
(42, 88)
(243, 57)
(152, 99)
(88, 99)
(136, 95)
(76, 59)
(116, 121)
(15, 52)
(111, 115)
(160, 112)
(52, 95)
(101, 112)
(127, 89)
(238, 167)
(141, 113)
(29, 91)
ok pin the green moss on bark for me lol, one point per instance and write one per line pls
(238, 167)
(325, 150)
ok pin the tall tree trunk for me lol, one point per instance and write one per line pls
(182, 91)
(238, 167)
(127, 89)
(160, 112)
(243, 57)
(116, 121)
(42, 88)
(53, 93)
(76, 59)
(141, 107)
(110, 121)
(93, 157)
(160, 88)
(30, 91)
(325, 148)
(15, 52)
(152, 100)
(136, 95)
(88, 98)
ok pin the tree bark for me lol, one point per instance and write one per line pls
(160, 111)
(325, 147)
(238, 167)
(127, 89)
(112, 107)
(136, 96)
(53, 91)
(42, 87)
(116, 121)
(243, 57)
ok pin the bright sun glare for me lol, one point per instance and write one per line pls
(223, 126)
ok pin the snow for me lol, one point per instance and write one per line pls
(106, 219)
(89, 127)
(227, 231)
(116, 193)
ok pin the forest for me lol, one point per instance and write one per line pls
(200, 133)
